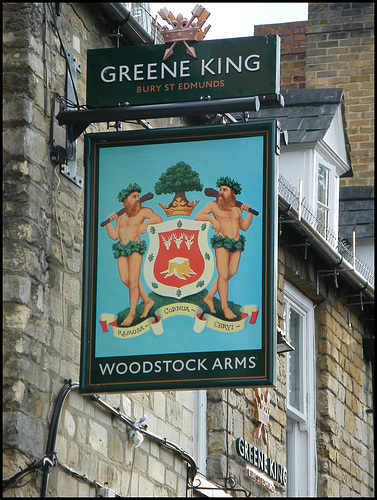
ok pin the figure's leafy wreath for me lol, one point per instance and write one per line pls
(126, 192)
(227, 181)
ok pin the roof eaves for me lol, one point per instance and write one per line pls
(305, 97)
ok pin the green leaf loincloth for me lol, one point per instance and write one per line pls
(228, 243)
(124, 250)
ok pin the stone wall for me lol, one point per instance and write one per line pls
(344, 394)
(42, 264)
(344, 384)
(228, 418)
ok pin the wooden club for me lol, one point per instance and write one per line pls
(213, 193)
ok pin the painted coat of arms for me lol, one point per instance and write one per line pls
(179, 262)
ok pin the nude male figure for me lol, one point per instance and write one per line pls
(227, 221)
(130, 249)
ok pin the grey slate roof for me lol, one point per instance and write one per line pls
(356, 212)
(307, 113)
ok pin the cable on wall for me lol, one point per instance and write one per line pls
(82, 477)
(62, 284)
(45, 71)
(13, 481)
(193, 468)
(226, 438)
(49, 460)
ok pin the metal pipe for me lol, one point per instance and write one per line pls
(121, 17)
(299, 198)
(190, 108)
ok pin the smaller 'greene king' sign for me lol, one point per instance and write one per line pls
(230, 68)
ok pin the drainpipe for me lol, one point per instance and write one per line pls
(119, 16)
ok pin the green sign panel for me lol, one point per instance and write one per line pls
(230, 68)
(180, 253)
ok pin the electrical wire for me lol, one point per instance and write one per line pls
(7, 482)
(14, 447)
(45, 71)
(49, 459)
(82, 477)
(50, 447)
(193, 468)
(68, 103)
(62, 285)
(12, 482)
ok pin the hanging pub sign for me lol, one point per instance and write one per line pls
(179, 285)
(178, 72)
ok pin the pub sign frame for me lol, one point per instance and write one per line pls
(180, 343)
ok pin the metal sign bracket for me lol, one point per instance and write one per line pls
(69, 169)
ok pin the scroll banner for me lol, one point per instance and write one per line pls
(186, 309)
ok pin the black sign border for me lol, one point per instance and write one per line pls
(267, 356)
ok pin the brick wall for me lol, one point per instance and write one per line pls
(293, 51)
(335, 49)
(340, 53)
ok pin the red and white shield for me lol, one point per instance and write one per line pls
(179, 261)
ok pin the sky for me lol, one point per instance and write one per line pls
(232, 20)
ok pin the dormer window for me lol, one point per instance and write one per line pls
(315, 157)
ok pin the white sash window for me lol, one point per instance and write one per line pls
(300, 431)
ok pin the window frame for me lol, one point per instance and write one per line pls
(332, 207)
(292, 410)
(200, 430)
(325, 206)
(302, 451)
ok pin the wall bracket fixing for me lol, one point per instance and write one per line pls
(69, 169)
(306, 245)
(333, 273)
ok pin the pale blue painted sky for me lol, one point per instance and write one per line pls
(122, 165)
